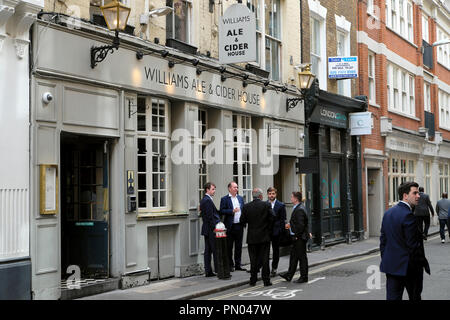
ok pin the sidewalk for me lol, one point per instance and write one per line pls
(197, 286)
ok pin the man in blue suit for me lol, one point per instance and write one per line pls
(279, 210)
(230, 210)
(401, 246)
(210, 217)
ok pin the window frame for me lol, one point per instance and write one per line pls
(371, 75)
(188, 22)
(402, 173)
(149, 135)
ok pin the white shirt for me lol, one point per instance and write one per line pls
(235, 201)
(210, 196)
(273, 203)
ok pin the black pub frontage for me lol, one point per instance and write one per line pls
(332, 168)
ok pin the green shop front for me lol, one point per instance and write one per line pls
(332, 168)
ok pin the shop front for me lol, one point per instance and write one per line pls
(132, 142)
(332, 166)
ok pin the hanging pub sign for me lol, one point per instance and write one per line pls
(361, 123)
(237, 35)
(342, 67)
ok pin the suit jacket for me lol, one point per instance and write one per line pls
(226, 209)
(424, 205)
(279, 210)
(401, 242)
(299, 222)
(259, 216)
(210, 216)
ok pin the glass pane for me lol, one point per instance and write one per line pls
(155, 146)
(142, 199)
(141, 108)
(162, 164)
(141, 123)
(324, 186)
(154, 123)
(162, 124)
(142, 181)
(142, 164)
(155, 182)
(335, 185)
(155, 164)
(155, 199)
(162, 199)
(275, 60)
(162, 181)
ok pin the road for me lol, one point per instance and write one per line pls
(354, 279)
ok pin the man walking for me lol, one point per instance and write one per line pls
(230, 209)
(401, 247)
(422, 212)
(442, 207)
(279, 210)
(210, 217)
(299, 231)
(259, 217)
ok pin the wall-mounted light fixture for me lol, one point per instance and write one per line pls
(116, 16)
(305, 80)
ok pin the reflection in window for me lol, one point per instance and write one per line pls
(178, 21)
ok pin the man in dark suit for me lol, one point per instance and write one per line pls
(210, 217)
(298, 224)
(422, 212)
(401, 247)
(279, 210)
(259, 217)
(230, 210)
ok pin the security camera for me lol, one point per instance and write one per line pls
(302, 135)
(47, 97)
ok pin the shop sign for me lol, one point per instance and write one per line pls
(237, 35)
(343, 67)
(329, 116)
(360, 123)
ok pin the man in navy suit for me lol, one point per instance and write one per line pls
(230, 209)
(279, 210)
(210, 217)
(401, 246)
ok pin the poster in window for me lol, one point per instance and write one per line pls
(48, 189)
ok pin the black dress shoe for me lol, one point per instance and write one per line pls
(252, 284)
(301, 280)
(240, 269)
(267, 284)
(210, 274)
(285, 277)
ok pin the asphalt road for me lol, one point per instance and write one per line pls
(355, 279)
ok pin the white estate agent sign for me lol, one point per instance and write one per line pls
(361, 123)
(237, 35)
(342, 67)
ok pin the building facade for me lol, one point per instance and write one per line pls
(16, 17)
(407, 83)
(133, 139)
(331, 165)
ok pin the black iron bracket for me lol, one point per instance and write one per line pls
(98, 54)
(292, 103)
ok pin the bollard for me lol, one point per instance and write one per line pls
(223, 265)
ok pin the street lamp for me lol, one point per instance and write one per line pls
(116, 16)
(305, 80)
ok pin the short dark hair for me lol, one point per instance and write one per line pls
(405, 187)
(298, 195)
(421, 189)
(444, 195)
(271, 189)
(208, 185)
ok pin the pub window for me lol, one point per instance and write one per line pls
(202, 123)
(242, 155)
(153, 170)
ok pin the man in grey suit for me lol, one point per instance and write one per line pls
(422, 212)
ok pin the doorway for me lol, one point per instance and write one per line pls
(85, 205)
(161, 251)
(374, 200)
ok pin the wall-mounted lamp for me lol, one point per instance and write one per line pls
(305, 80)
(116, 16)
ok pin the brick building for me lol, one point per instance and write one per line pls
(407, 81)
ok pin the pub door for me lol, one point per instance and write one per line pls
(85, 205)
(330, 192)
